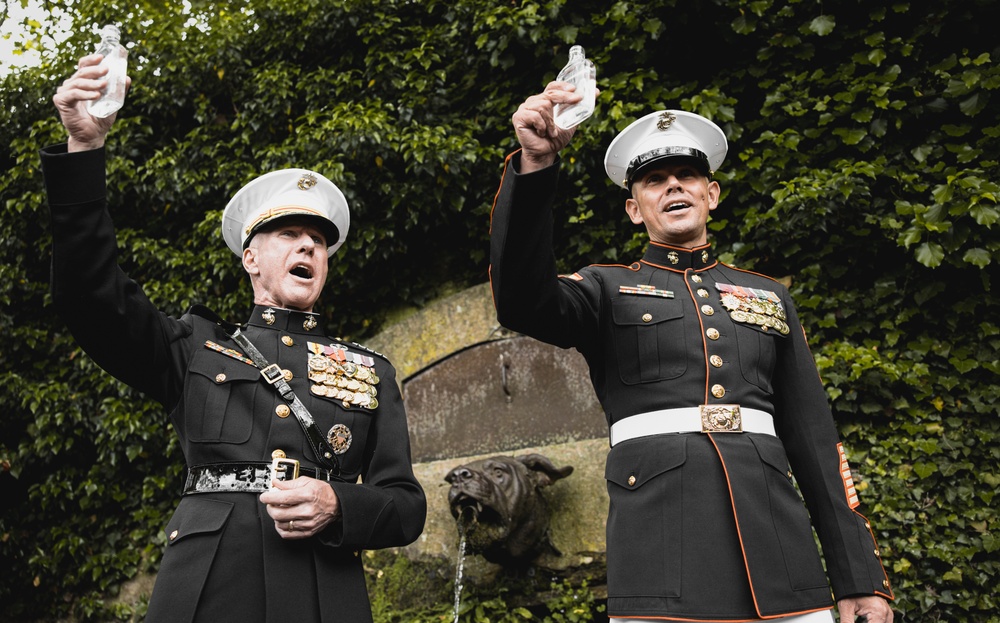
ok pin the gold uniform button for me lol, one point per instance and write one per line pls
(631, 481)
(287, 340)
(220, 378)
(647, 317)
(708, 310)
(876, 552)
(713, 334)
(278, 454)
(885, 583)
(716, 361)
(718, 391)
(789, 473)
(696, 278)
(173, 535)
(868, 526)
(287, 374)
(282, 411)
(703, 293)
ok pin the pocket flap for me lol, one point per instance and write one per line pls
(197, 515)
(221, 368)
(644, 310)
(635, 462)
(771, 451)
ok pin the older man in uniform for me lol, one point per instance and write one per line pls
(277, 422)
(711, 393)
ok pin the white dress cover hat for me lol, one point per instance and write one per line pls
(664, 134)
(281, 194)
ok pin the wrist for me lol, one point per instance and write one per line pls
(531, 163)
(73, 145)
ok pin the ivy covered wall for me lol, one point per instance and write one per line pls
(863, 166)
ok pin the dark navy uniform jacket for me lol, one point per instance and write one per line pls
(701, 526)
(224, 560)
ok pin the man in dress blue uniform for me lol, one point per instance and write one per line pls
(296, 443)
(710, 391)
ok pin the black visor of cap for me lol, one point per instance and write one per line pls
(330, 231)
(695, 156)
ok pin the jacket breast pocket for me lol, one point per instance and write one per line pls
(219, 399)
(649, 338)
(758, 353)
(646, 515)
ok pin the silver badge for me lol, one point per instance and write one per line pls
(340, 438)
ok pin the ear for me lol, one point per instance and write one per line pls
(546, 472)
(250, 261)
(714, 192)
(632, 209)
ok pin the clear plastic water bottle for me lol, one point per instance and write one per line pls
(582, 74)
(116, 60)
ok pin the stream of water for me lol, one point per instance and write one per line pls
(459, 567)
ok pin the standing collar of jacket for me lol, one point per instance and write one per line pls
(678, 258)
(287, 320)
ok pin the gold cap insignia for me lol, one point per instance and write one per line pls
(307, 181)
(665, 120)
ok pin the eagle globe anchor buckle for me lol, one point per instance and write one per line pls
(721, 419)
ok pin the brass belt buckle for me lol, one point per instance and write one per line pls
(281, 468)
(721, 419)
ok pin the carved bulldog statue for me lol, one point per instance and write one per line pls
(498, 503)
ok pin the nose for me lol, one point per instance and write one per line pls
(306, 243)
(459, 474)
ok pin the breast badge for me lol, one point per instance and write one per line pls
(754, 306)
(344, 375)
(340, 438)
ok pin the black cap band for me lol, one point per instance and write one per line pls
(659, 153)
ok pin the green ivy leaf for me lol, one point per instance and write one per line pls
(823, 25)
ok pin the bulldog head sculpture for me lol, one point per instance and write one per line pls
(498, 503)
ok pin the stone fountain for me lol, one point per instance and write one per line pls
(475, 394)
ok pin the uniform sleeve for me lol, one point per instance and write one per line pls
(529, 295)
(388, 508)
(805, 425)
(91, 293)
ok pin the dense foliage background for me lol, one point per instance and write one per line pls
(863, 166)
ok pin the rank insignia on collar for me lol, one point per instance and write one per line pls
(309, 323)
(268, 316)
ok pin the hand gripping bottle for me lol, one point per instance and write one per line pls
(580, 72)
(116, 60)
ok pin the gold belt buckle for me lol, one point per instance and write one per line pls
(721, 419)
(281, 467)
